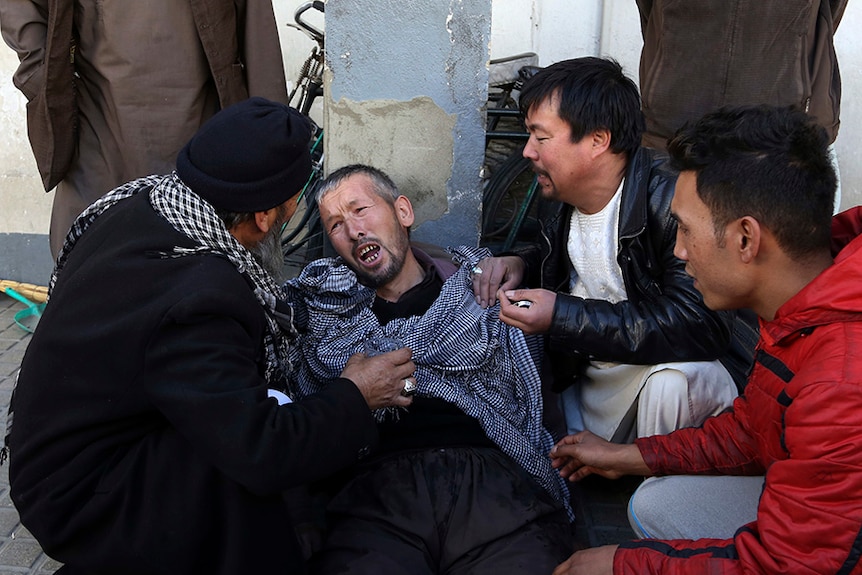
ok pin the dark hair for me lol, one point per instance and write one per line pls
(383, 184)
(593, 94)
(233, 219)
(766, 162)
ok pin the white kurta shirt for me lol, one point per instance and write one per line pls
(603, 402)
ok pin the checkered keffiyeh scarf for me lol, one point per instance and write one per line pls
(196, 219)
(463, 354)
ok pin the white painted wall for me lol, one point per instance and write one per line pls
(24, 205)
(849, 46)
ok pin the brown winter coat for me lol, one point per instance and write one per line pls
(699, 55)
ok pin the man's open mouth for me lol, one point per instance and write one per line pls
(368, 253)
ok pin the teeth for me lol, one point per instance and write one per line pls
(369, 249)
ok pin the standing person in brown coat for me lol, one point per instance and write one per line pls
(115, 90)
(700, 55)
(703, 54)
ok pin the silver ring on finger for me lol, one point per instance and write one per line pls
(409, 388)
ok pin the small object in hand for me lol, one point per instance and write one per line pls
(409, 388)
(522, 303)
(476, 270)
(378, 345)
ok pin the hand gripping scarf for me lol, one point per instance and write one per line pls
(463, 354)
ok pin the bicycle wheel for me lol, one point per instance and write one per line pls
(508, 204)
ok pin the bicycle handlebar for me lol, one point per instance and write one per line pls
(315, 33)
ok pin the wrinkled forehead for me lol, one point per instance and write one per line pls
(352, 189)
(354, 197)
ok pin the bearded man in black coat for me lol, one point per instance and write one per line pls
(148, 432)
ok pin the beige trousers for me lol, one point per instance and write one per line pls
(620, 402)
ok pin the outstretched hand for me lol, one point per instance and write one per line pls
(505, 272)
(380, 379)
(579, 455)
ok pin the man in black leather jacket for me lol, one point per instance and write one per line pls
(623, 319)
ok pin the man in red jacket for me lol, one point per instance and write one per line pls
(753, 202)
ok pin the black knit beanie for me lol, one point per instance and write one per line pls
(249, 157)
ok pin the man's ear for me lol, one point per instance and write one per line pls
(266, 219)
(250, 231)
(601, 141)
(404, 211)
(749, 235)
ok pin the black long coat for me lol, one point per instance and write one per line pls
(143, 440)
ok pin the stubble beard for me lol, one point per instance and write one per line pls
(397, 256)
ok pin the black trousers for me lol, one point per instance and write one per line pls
(444, 511)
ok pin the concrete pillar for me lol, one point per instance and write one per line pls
(406, 85)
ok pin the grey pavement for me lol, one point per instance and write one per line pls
(599, 506)
(600, 511)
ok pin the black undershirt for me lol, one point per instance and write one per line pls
(429, 422)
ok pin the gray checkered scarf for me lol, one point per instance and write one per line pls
(463, 354)
(196, 219)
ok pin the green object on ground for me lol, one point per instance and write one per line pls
(29, 317)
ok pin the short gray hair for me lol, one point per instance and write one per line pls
(383, 184)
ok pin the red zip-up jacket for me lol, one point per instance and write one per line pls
(800, 423)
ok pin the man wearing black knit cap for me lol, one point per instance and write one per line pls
(144, 438)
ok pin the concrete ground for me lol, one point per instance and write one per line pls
(599, 505)
(600, 511)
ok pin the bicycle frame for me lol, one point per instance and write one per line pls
(309, 86)
(506, 77)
